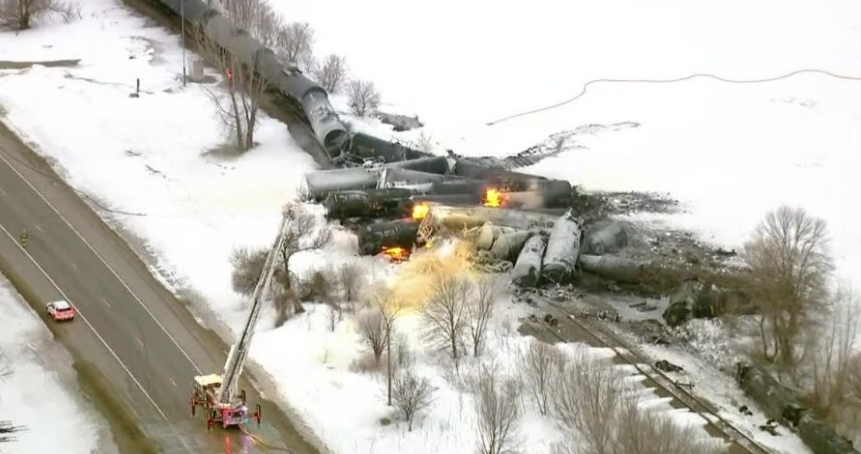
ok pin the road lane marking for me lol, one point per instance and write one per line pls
(2, 191)
(74, 267)
(106, 303)
(38, 228)
(81, 315)
(139, 341)
(173, 382)
(23, 178)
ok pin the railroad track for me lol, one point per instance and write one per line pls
(273, 103)
(640, 361)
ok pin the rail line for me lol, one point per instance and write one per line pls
(643, 365)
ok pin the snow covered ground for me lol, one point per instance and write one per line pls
(348, 408)
(730, 152)
(149, 159)
(38, 388)
(720, 388)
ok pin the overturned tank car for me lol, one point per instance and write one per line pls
(696, 298)
(527, 267)
(562, 250)
(373, 203)
(379, 237)
(619, 269)
(606, 237)
(370, 147)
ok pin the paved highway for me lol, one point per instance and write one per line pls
(138, 335)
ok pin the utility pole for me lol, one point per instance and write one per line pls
(182, 18)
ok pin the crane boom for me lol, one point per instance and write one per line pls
(239, 351)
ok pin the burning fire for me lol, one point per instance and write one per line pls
(494, 198)
(420, 211)
(396, 254)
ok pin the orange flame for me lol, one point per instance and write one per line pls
(396, 254)
(420, 211)
(494, 198)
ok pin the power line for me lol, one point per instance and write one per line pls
(670, 81)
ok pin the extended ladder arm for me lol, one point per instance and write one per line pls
(239, 350)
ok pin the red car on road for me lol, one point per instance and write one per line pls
(61, 310)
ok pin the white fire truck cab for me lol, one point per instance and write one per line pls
(205, 393)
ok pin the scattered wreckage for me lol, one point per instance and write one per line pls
(518, 222)
(783, 405)
(528, 226)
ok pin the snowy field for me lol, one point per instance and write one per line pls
(729, 152)
(38, 388)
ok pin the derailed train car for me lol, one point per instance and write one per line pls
(370, 147)
(782, 404)
(313, 99)
(398, 234)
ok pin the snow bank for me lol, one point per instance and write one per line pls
(38, 388)
(156, 156)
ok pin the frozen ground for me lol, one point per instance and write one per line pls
(729, 152)
(38, 388)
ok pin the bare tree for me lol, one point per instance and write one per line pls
(332, 73)
(283, 298)
(445, 315)
(790, 263)
(302, 235)
(294, 42)
(376, 324)
(480, 310)
(20, 14)
(855, 377)
(245, 88)
(639, 431)
(831, 361)
(372, 330)
(425, 142)
(247, 268)
(498, 413)
(585, 397)
(256, 17)
(387, 304)
(539, 365)
(855, 381)
(402, 356)
(318, 286)
(351, 278)
(411, 394)
(334, 315)
(364, 97)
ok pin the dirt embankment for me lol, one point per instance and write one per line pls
(7, 64)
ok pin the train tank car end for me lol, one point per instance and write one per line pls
(321, 116)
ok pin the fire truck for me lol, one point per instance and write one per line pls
(217, 394)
